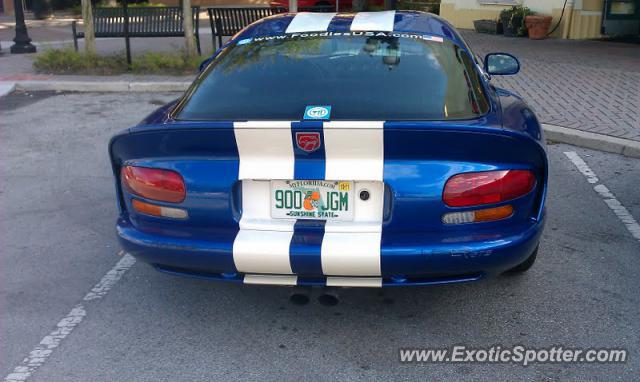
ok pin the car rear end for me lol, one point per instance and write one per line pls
(398, 185)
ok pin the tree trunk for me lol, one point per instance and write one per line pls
(187, 25)
(389, 5)
(359, 5)
(89, 35)
(293, 5)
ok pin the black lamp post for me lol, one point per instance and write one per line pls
(22, 41)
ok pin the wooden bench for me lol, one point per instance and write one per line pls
(143, 22)
(229, 21)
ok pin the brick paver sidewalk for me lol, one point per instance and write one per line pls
(586, 85)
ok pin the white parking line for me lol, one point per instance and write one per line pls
(609, 198)
(6, 88)
(582, 166)
(38, 356)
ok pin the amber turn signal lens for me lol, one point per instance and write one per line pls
(491, 214)
(155, 210)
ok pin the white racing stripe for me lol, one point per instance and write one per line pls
(349, 254)
(353, 125)
(270, 279)
(310, 22)
(354, 150)
(265, 149)
(607, 196)
(368, 282)
(266, 152)
(39, 355)
(374, 21)
(262, 244)
(262, 251)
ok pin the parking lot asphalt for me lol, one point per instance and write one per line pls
(57, 216)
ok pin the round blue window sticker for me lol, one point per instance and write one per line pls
(317, 112)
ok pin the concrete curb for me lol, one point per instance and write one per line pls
(555, 133)
(43, 44)
(100, 86)
(594, 141)
(158, 86)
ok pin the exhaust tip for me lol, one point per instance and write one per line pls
(328, 299)
(299, 299)
(300, 295)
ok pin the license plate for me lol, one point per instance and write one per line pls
(312, 199)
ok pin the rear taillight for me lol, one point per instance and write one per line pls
(153, 183)
(487, 187)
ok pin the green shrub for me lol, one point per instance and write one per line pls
(523, 31)
(68, 61)
(76, 10)
(432, 6)
(145, 4)
(515, 11)
(130, 5)
(161, 63)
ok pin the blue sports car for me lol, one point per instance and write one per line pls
(351, 149)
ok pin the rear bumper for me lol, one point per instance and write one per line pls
(404, 261)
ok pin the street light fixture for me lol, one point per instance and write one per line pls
(22, 41)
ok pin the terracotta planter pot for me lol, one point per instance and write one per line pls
(538, 26)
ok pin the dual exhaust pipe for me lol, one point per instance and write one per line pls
(301, 296)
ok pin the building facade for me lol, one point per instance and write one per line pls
(582, 19)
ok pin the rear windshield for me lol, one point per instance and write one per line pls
(361, 76)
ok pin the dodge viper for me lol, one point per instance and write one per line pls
(366, 149)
